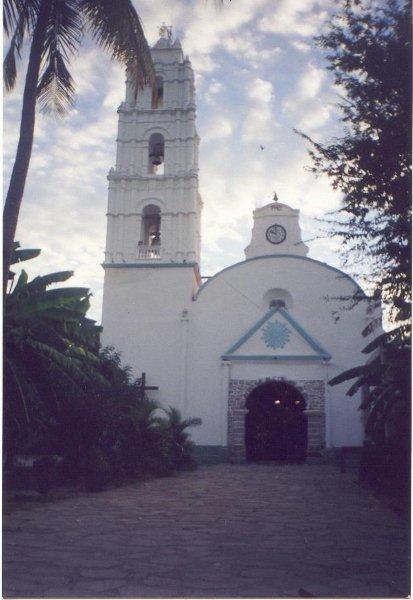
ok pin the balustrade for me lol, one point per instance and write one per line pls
(148, 252)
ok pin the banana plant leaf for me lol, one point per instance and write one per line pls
(51, 348)
(19, 255)
(349, 374)
(42, 281)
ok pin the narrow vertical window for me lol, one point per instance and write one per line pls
(152, 225)
(159, 90)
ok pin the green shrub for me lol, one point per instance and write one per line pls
(66, 397)
(96, 471)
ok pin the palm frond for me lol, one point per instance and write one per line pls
(116, 27)
(55, 92)
(9, 64)
(397, 335)
(64, 32)
(13, 10)
(19, 17)
(374, 323)
(357, 385)
(349, 374)
(16, 379)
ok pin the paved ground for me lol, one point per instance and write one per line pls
(222, 531)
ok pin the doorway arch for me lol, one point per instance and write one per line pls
(276, 424)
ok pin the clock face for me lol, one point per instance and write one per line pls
(275, 234)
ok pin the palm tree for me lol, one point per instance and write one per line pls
(180, 446)
(56, 29)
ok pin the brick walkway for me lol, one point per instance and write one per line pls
(222, 531)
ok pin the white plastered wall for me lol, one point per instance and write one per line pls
(143, 318)
(232, 302)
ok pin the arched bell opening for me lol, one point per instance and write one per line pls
(275, 425)
(151, 226)
(156, 154)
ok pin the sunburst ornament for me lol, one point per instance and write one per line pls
(275, 334)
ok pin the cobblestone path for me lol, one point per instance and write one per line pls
(223, 531)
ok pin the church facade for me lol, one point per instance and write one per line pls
(251, 349)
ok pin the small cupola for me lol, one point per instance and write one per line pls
(276, 230)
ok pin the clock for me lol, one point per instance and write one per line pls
(275, 234)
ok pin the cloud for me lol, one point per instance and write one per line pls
(219, 127)
(206, 25)
(203, 63)
(310, 82)
(301, 46)
(259, 122)
(213, 90)
(295, 17)
(251, 48)
(309, 102)
(315, 117)
(260, 91)
(246, 75)
(307, 88)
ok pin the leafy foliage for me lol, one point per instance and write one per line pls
(180, 446)
(56, 29)
(49, 344)
(385, 380)
(368, 48)
(115, 26)
(65, 397)
(369, 52)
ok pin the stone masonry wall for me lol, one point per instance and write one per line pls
(313, 392)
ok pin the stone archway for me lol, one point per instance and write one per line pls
(276, 423)
(313, 392)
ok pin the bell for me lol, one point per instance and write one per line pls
(156, 155)
(156, 159)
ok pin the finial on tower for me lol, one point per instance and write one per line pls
(275, 197)
(165, 32)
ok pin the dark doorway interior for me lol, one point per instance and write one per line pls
(275, 425)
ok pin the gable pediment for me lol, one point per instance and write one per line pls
(276, 336)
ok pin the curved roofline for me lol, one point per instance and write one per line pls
(266, 256)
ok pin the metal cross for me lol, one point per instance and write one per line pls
(143, 387)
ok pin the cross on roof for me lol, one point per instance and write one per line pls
(165, 31)
(143, 387)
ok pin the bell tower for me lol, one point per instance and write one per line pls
(154, 206)
(153, 219)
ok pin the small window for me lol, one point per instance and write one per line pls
(277, 304)
(277, 298)
(159, 91)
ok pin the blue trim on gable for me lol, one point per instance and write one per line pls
(274, 358)
(308, 338)
(269, 256)
(322, 354)
(251, 331)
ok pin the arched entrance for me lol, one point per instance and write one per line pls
(275, 425)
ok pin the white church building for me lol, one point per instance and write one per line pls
(249, 350)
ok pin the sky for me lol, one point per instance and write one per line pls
(259, 75)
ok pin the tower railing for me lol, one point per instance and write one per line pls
(142, 253)
(145, 252)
